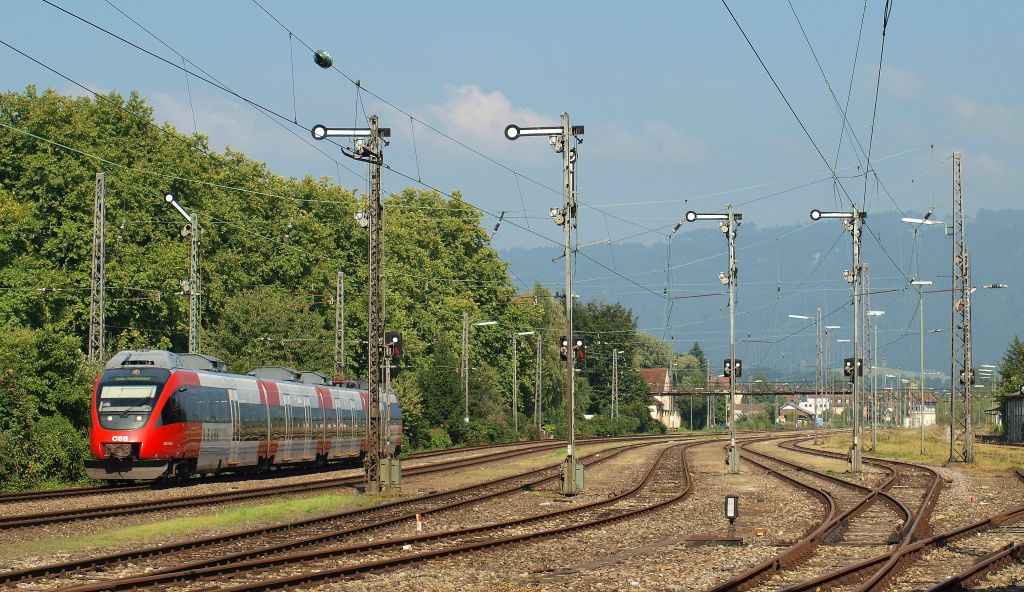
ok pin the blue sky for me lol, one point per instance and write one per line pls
(674, 102)
(679, 114)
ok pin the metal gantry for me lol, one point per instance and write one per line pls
(560, 139)
(962, 374)
(97, 299)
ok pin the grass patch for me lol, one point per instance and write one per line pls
(507, 469)
(250, 516)
(905, 444)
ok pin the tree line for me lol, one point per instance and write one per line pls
(272, 248)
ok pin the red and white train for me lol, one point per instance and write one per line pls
(158, 414)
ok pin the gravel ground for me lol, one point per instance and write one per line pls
(648, 552)
(209, 486)
(412, 486)
(1006, 579)
(971, 495)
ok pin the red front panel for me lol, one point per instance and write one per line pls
(154, 442)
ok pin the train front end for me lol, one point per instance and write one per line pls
(126, 439)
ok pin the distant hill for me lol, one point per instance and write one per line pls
(793, 269)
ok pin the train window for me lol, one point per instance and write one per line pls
(277, 422)
(174, 409)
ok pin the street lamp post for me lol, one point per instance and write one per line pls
(515, 379)
(615, 386)
(920, 313)
(728, 223)
(465, 356)
(817, 372)
(874, 382)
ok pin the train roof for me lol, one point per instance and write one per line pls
(159, 358)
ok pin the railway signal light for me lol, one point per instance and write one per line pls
(727, 365)
(393, 343)
(580, 348)
(563, 349)
(848, 367)
(971, 376)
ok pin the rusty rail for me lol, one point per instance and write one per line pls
(150, 580)
(61, 568)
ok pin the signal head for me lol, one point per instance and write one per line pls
(169, 198)
(512, 131)
(815, 215)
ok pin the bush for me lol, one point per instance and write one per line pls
(438, 438)
(485, 431)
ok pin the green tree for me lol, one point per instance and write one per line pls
(267, 326)
(1011, 371)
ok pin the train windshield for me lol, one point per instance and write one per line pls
(124, 400)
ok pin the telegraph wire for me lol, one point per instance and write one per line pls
(284, 118)
(784, 98)
(878, 82)
(434, 129)
(195, 146)
(828, 85)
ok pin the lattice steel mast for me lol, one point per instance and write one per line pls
(97, 300)
(962, 374)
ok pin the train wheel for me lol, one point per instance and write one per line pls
(182, 470)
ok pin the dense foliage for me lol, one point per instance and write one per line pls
(272, 249)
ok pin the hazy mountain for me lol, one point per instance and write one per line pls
(794, 269)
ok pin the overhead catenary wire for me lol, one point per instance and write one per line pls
(286, 119)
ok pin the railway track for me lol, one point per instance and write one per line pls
(107, 510)
(863, 527)
(854, 527)
(666, 482)
(29, 496)
(313, 531)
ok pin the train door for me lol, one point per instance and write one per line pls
(308, 433)
(235, 452)
(336, 442)
(351, 431)
(286, 447)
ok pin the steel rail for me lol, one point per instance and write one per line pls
(1010, 552)
(46, 570)
(888, 561)
(107, 511)
(239, 557)
(794, 553)
(387, 564)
